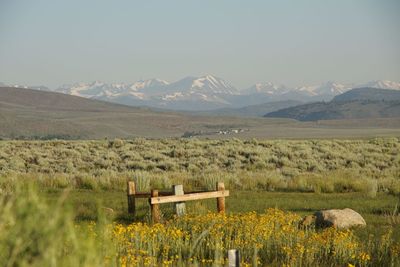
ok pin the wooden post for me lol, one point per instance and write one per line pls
(221, 200)
(131, 191)
(233, 258)
(180, 207)
(155, 208)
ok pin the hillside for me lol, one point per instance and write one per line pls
(26, 98)
(250, 111)
(26, 113)
(208, 93)
(372, 94)
(205, 93)
(31, 114)
(360, 103)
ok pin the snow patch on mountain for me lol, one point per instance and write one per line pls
(148, 83)
(266, 88)
(102, 90)
(381, 84)
(331, 88)
(206, 92)
(173, 96)
(212, 84)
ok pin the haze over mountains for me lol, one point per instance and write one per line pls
(359, 103)
(27, 114)
(207, 93)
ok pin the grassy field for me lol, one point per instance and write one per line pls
(91, 228)
(75, 191)
(377, 211)
(369, 166)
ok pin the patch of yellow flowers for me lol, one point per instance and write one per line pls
(272, 238)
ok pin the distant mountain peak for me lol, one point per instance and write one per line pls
(149, 83)
(330, 88)
(97, 83)
(214, 84)
(266, 88)
(381, 84)
(206, 92)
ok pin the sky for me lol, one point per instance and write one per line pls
(291, 42)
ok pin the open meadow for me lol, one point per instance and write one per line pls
(63, 203)
(199, 133)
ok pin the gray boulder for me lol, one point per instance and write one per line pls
(341, 219)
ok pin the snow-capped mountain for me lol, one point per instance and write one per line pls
(212, 84)
(142, 84)
(100, 90)
(206, 86)
(206, 92)
(381, 85)
(186, 93)
(326, 89)
(271, 92)
(332, 88)
(87, 89)
(195, 93)
(266, 88)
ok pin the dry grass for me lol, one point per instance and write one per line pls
(317, 166)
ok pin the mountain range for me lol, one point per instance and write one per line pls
(258, 110)
(206, 93)
(359, 103)
(39, 114)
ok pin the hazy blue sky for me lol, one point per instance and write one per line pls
(52, 42)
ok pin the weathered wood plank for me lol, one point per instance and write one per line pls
(162, 193)
(148, 195)
(188, 197)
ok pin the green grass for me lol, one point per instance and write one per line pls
(374, 210)
(59, 228)
(367, 166)
(302, 176)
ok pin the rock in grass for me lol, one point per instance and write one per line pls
(341, 219)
